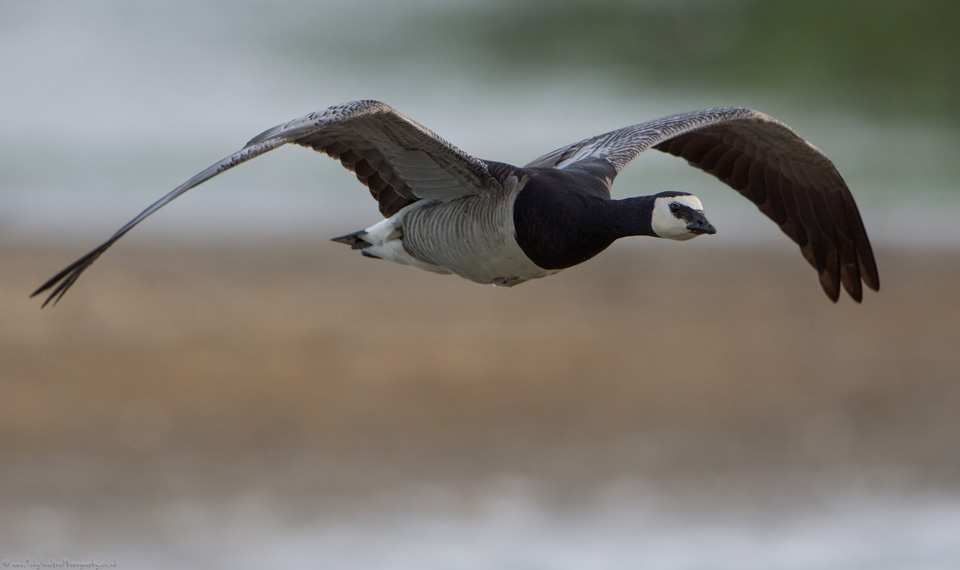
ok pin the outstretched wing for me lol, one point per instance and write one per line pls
(399, 160)
(789, 180)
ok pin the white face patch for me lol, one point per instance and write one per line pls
(669, 226)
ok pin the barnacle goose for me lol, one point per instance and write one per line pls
(449, 212)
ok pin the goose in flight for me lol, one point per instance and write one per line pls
(490, 222)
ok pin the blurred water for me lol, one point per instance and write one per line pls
(508, 532)
(109, 105)
(506, 526)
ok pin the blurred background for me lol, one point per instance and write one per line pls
(226, 388)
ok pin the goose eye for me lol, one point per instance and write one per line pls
(674, 207)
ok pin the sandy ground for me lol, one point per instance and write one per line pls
(310, 372)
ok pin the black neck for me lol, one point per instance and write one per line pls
(559, 231)
(628, 217)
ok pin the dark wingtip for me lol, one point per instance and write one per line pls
(856, 295)
(61, 282)
(868, 268)
(874, 281)
(833, 295)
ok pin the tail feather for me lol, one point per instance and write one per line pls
(354, 240)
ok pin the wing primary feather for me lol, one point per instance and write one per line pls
(816, 250)
(830, 275)
(712, 158)
(849, 270)
(62, 281)
(726, 163)
(756, 189)
(868, 264)
(784, 191)
(740, 174)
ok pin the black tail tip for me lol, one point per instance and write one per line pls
(354, 240)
